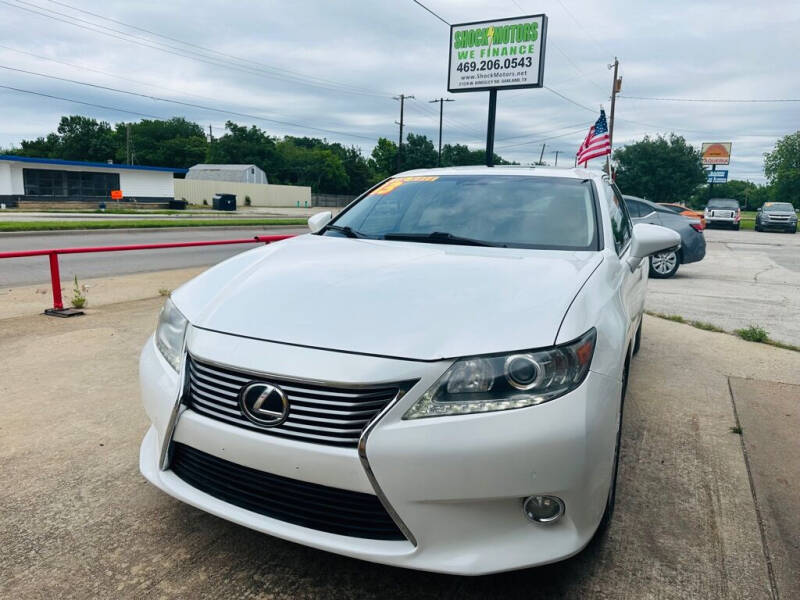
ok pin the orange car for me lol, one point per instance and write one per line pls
(685, 211)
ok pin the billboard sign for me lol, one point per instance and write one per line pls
(716, 153)
(717, 176)
(503, 54)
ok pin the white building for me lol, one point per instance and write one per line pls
(230, 173)
(24, 179)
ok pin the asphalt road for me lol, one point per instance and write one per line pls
(747, 278)
(34, 270)
(79, 521)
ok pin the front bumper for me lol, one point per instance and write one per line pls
(456, 483)
(778, 225)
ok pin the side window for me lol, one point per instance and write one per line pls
(634, 208)
(620, 221)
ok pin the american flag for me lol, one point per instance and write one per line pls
(597, 142)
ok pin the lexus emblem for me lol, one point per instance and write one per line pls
(264, 404)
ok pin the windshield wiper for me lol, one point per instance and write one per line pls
(347, 230)
(438, 237)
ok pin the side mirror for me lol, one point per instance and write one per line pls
(319, 220)
(759, 209)
(650, 239)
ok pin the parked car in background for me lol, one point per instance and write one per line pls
(693, 243)
(456, 406)
(723, 212)
(777, 215)
(680, 209)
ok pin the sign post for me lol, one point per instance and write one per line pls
(492, 55)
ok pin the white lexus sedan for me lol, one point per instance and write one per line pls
(434, 379)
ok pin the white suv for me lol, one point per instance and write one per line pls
(432, 380)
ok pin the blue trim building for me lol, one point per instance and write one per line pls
(33, 181)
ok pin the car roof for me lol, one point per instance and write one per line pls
(528, 171)
(648, 202)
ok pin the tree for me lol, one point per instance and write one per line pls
(384, 158)
(245, 146)
(749, 195)
(459, 155)
(82, 138)
(418, 153)
(174, 143)
(661, 169)
(782, 168)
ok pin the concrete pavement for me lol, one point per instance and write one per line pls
(769, 414)
(747, 278)
(79, 521)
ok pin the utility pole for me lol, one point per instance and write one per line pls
(441, 102)
(616, 88)
(210, 135)
(402, 98)
(556, 152)
(541, 156)
(127, 143)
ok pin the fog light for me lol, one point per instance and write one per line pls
(543, 509)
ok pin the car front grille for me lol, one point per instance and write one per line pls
(319, 414)
(311, 505)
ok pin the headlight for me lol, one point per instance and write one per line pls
(499, 382)
(170, 333)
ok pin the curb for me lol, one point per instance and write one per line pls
(60, 232)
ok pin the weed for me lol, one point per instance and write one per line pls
(705, 326)
(164, 291)
(247, 201)
(737, 430)
(754, 333)
(78, 295)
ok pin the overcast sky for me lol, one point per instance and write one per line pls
(335, 65)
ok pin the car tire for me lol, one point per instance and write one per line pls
(637, 340)
(758, 227)
(737, 226)
(608, 513)
(793, 230)
(664, 265)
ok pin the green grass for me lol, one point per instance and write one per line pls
(705, 326)
(143, 224)
(754, 333)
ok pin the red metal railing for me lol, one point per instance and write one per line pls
(55, 275)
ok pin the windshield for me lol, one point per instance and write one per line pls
(723, 204)
(778, 207)
(495, 210)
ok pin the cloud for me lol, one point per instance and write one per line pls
(337, 65)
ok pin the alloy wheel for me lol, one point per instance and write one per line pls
(664, 262)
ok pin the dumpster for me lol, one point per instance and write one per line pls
(178, 204)
(224, 202)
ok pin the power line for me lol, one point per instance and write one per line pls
(187, 104)
(579, 24)
(130, 112)
(725, 100)
(417, 2)
(570, 100)
(203, 48)
(184, 53)
(552, 137)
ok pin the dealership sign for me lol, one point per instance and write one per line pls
(499, 54)
(716, 153)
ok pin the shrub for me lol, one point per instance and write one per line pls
(78, 295)
(247, 201)
(754, 333)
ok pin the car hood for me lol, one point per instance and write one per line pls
(401, 299)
